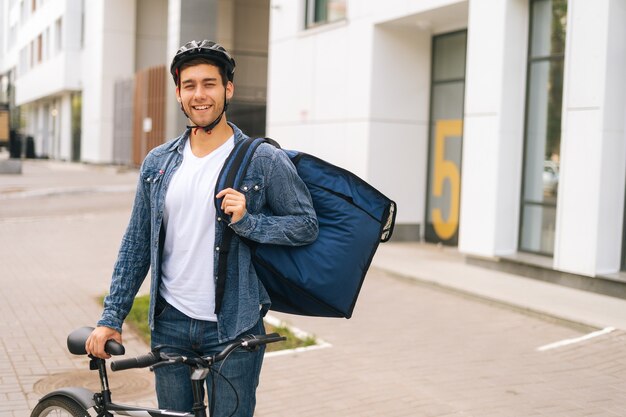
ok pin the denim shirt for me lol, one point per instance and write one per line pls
(279, 211)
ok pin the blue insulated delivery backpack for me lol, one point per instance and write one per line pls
(323, 278)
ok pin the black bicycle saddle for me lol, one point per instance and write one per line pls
(76, 343)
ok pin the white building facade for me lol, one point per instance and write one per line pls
(498, 126)
(65, 56)
(41, 50)
(64, 60)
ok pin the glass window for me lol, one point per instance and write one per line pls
(543, 125)
(445, 138)
(324, 11)
(449, 57)
(39, 49)
(58, 35)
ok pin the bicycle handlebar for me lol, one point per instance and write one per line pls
(153, 358)
(142, 361)
(254, 341)
(248, 342)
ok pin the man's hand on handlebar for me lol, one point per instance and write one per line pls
(98, 338)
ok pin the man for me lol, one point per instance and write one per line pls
(175, 231)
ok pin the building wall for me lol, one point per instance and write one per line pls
(108, 55)
(398, 125)
(151, 38)
(357, 93)
(493, 127)
(59, 69)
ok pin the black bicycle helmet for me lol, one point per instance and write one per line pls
(204, 49)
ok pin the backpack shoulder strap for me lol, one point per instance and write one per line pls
(231, 175)
(236, 165)
(232, 168)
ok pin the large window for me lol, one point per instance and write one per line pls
(446, 135)
(543, 125)
(319, 12)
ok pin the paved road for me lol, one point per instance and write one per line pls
(411, 349)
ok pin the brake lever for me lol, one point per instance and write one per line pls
(158, 365)
(166, 360)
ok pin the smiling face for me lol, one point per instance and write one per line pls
(202, 93)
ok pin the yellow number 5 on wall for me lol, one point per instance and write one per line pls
(444, 169)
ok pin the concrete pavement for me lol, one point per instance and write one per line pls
(430, 336)
(446, 267)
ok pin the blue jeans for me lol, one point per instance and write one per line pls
(173, 383)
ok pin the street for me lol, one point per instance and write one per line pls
(411, 348)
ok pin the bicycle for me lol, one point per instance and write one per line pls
(78, 401)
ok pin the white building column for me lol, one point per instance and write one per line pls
(108, 55)
(398, 128)
(493, 127)
(590, 207)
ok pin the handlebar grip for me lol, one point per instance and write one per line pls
(263, 340)
(142, 361)
(113, 348)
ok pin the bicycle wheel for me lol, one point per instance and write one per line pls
(59, 407)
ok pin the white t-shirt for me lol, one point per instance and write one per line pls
(189, 221)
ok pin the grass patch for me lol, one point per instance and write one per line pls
(138, 320)
(292, 341)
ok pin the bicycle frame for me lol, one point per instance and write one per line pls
(104, 406)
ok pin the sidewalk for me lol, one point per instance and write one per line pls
(445, 339)
(446, 267)
(48, 177)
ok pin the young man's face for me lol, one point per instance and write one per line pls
(201, 92)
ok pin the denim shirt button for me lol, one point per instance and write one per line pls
(219, 219)
(256, 188)
(245, 188)
(217, 248)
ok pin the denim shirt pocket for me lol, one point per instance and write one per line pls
(151, 179)
(254, 191)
